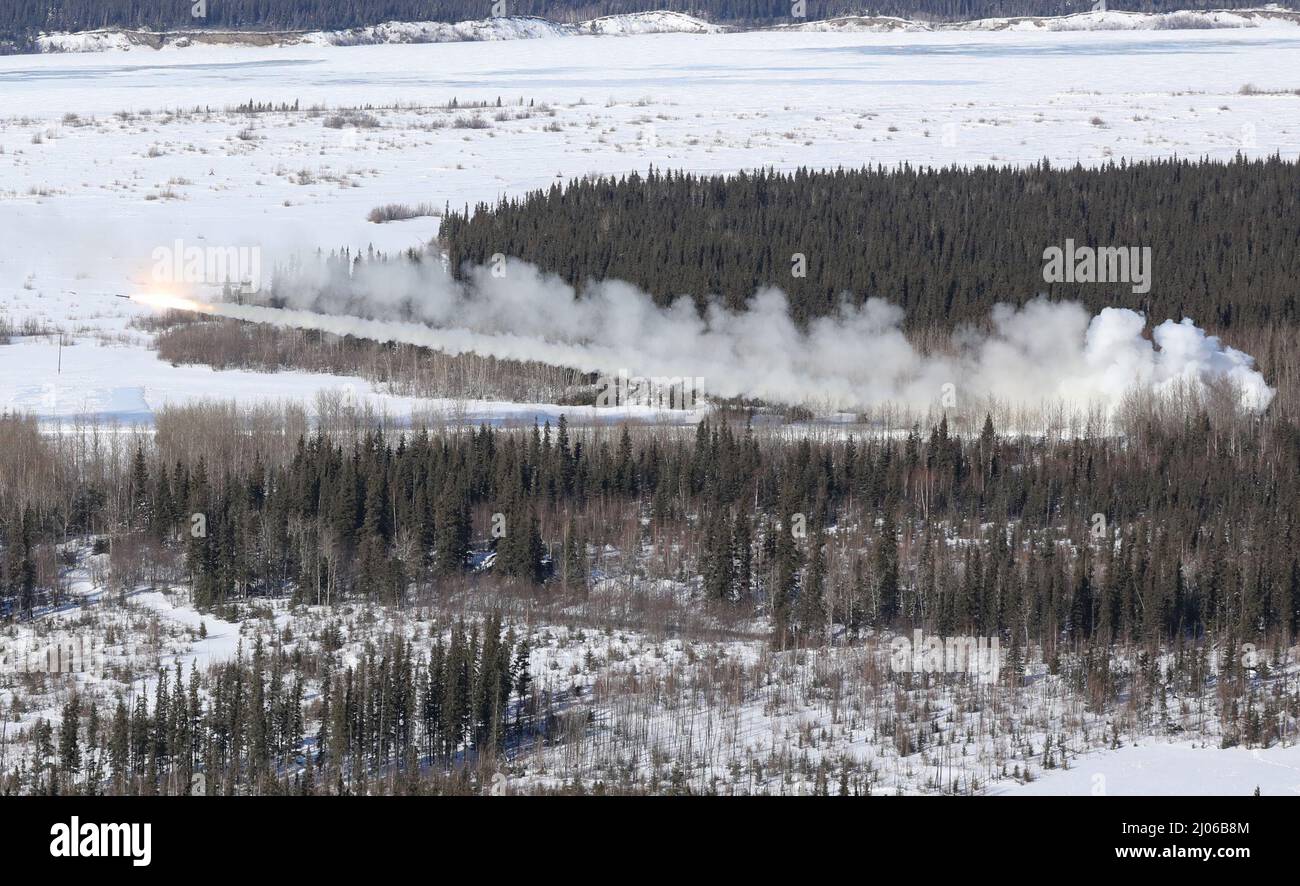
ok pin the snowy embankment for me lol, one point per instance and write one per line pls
(1109, 20)
(531, 28)
(490, 29)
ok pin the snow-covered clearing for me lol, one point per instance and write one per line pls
(1160, 768)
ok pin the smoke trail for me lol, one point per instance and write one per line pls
(1046, 353)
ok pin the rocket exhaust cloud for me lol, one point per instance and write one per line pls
(1046, 353)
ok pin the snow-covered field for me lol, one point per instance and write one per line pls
(107, 157)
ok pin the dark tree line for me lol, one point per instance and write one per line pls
(944, 244)
(26, 17)
(1183, 531)
(404, 369)
(1180, 538)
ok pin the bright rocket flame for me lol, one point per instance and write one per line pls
(169, 301)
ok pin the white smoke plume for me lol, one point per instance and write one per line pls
(1044, 354)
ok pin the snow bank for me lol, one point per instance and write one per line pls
(498, 28)
(647, 23)
(503, 28)
(87, 41)
(512, 28)
(1112, 20)
(873, 24)
(1109, 20)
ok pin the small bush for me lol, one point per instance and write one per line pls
(401, 211)
(356, 119)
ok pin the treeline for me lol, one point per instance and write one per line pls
(1170, 549)
(406, 370)
(395, 721)
(1182, 530)
(944, 244)
(30, 16)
